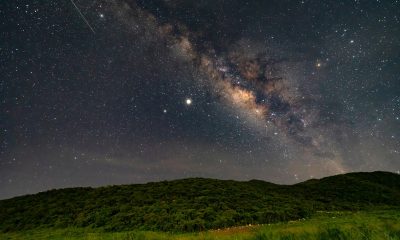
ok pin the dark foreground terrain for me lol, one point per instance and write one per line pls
(199, 204)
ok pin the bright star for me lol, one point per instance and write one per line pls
(188, 101)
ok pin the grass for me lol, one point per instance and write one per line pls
(338, 225)
(373, 225)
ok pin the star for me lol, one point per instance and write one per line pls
(188, 101)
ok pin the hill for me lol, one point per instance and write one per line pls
(197, 204)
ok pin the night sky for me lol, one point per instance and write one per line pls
(115, 92)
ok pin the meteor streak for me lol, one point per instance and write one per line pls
(83, 17)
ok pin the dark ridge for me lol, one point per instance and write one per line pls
(197, 203)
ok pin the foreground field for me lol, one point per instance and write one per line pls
(325, 225)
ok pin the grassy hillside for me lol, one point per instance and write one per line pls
(197, 204)
(371, 225)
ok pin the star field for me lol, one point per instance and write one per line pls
(131, 91)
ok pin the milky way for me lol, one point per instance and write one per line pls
(253, 83)
(133, 91)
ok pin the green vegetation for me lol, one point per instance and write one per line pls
(328, 225)
(197, 204)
